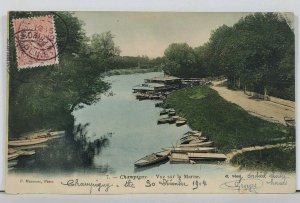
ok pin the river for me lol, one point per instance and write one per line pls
(131, 132)
(134, 129)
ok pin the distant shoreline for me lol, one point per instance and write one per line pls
(132, 71)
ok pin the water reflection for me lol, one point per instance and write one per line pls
(75, 152)
(111, 135)
(152, 166)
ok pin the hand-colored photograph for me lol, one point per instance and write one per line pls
(150, 102)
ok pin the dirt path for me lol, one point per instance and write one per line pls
(274, 110)
(255, 148)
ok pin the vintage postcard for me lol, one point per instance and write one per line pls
(151, 102)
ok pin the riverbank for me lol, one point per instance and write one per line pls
(273, 110)
(273, 158)
(132, 71)
(227, 124)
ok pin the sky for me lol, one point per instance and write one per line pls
(150, 33)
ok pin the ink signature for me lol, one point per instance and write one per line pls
(90, 185)
(243, 185)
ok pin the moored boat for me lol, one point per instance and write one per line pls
(35, 134)
(190, 149)
(27, 142)
(189, 139)
(12, 163)
(152, 158)
(172, 113)
(200, 144)
(169, 120)
(27, 153)
(164, 112)
(163, 120)
(36, 146)
(13, 156)
(192, 132)
(207, 156)
(160, 104)
(172, 120)
(290, 122)
(180, 122)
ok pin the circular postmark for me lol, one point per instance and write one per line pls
(35, 40)
(35, 37)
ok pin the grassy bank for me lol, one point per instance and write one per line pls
(279, 159)
(225, 123)
(132, 71)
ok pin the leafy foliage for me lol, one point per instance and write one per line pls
(135, 62)
(257, 53)
(44, 97)
(181, 60)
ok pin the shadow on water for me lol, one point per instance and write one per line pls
(144, 168)
(73, 153)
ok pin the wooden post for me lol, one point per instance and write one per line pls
(265, 94)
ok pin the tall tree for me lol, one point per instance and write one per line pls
(181, 60)
(44, 97)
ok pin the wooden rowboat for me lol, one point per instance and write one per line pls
(164, 112)
(172, 113)
(192, 132)
(290, 122)
(36, 146)
(27, 142)
(192, 139)
(190, 149)
(180, 122)
(191, 135)
(163, 120)
(169, 120)
(12, 163)
(196, 141)
(41, 134)
(152, 158)
(200, 144)
(207, 156)
(27, 153)
(35, 134)
(13, 156)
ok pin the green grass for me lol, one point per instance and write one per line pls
(275, 159)
(225, 123)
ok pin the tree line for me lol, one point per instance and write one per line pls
(131, 62)
(45, 97)
(257, 54)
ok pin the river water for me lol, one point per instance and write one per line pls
(134, 130)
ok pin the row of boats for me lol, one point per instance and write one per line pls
(27, 144)
(191, 148)
(151, 96)
(171, 118)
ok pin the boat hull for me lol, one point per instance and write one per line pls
(152, 159)
(27, 142)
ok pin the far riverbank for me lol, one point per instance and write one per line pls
(130, 71)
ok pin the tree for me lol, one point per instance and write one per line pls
(44, 97)
(181, 60)
(252, 52)
(103, 48)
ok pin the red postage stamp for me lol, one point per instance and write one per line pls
(35, 40)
